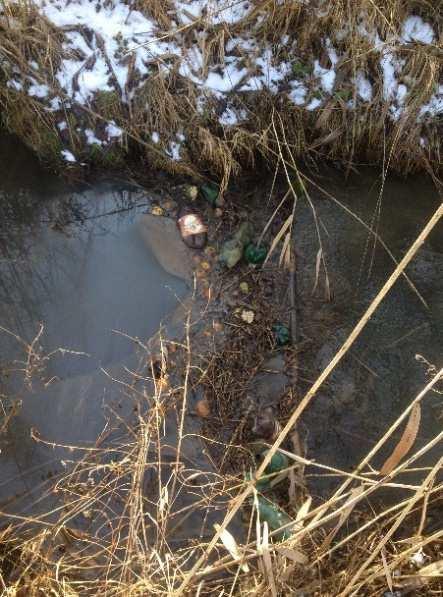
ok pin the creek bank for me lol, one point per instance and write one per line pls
(196, 88)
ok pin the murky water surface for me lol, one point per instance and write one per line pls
(387, 366)
(77, 286)
(76, 272)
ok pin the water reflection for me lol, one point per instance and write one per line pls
(76, 264)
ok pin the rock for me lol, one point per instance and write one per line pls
(231, 253)
(191, 192)
(202, 408)
(163, 239)
(232, 250)
(270, 383)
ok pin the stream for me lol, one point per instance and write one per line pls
(80, 287)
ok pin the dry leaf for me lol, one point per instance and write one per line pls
(267, 559)
(292, 486)
(303, 512)
(157, 211)
(387, 571)
(248, 316)
(285, 252)
(431, 570)
(426, 575)
(293, 554)
(231, 545)
(164, 499)
(202, 408)
(317, 269)
(278, 237)
(298, 449)
(406, 442)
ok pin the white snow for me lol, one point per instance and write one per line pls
(326, 76)
(387, 64)
(37, 90)
(211, 11)
(415, 29)
(111, 23)
(13, 84)
(402, 91)
(62, 125)
(91, 139)
(55, 104)
(102, 40)
(364, 87)
(113, 131)
(313, 104)
(174, 151)
(68, 156)
(226, 81)
(232, 116)
(298, 93)
(435, 104)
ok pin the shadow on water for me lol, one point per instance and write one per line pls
(73, 265)
(387, 366)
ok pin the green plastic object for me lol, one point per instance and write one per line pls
(281, 334)
(255, 255)
(275, 517)
(210, 192)
(278, 463)
(261, 484)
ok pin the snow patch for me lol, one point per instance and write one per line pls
(415, 29)
(37, 90)
(364, 87)
(174, 151)
(326, 76)
(313, 104)
(91, 139)
(298, 93)
(231, 116)
(113, 131)
(68, 156)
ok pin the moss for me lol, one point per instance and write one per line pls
(300, 69)
(108, 105)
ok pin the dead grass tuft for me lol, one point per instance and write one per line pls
(344, 129)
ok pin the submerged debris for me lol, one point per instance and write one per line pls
(232, 250)
(192, 229)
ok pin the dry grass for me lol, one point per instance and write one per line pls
(168, 104)
(113, 528)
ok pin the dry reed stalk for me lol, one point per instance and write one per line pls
(313, 390)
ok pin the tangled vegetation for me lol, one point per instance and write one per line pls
(352, 82)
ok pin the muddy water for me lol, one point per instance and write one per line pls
(79, 263)
(75, 270)
(386, 367)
